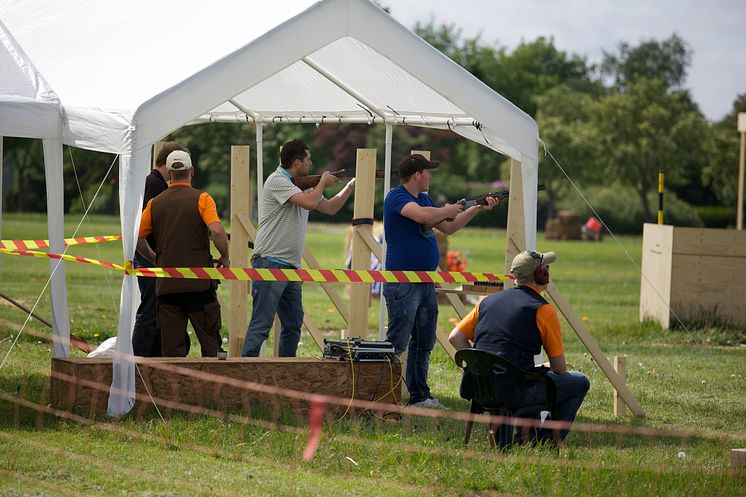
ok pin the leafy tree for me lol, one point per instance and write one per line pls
(24, 175)
(721, 172)
(530, 70)
(85, 174)
(666, 60)
(536, 67)
(645, 129)
(564, 118)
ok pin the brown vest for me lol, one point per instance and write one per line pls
(181, 238)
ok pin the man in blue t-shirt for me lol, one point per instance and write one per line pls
(409, 216)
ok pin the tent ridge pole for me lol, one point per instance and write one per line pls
(357, 96)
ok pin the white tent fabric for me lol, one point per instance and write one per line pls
(30, 109)
(129, 73)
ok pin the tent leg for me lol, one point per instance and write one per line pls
(56, 233)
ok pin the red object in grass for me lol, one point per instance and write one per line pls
(314, 428)
(456, 261)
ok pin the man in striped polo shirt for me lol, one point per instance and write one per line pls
(279, 244)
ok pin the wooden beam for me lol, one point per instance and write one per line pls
(371, 242)
(442, 336)
(516, 227)
(365, 174)
(239, 253)
(738, 462)
(620, 366)
(157, 147)
(311, 327)
(313, 330)
(590, 343)
(329, 288)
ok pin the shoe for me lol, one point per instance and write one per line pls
(430, 403)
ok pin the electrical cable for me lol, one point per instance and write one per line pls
(352, 368)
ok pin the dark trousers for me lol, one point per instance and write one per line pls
(199, 308)
(146, 337)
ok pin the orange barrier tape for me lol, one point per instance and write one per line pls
(307, 275)
(41, 244)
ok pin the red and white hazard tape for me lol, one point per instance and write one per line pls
(42, 244)
(254, 274)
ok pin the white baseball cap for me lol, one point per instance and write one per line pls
(178, 160)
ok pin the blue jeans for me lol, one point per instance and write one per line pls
(283, 298)
(413, 316)
(571, 389)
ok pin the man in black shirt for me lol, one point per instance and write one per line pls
(146, 336)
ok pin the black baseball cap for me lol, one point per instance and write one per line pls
(413, 163)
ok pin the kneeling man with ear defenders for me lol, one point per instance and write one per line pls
(518, 322)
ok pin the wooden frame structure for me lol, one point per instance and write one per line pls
(363, 243)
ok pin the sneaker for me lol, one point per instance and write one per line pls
(430, 403)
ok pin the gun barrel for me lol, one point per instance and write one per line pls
(306, 182)
(482, 199)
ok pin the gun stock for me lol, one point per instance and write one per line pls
(306, 182)
(482, 199)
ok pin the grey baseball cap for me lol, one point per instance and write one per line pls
(525, 263)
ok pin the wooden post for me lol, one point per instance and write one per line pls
(364, 195)
(738, 462)
(157, 147)
(590, 344)
(239, 252)
(516, 227)
(620, 366)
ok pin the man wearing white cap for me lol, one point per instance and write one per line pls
(183, 220)
(517, 323)
(146, 335)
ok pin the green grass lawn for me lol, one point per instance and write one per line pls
(691, 383)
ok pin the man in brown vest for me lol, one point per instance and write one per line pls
(183, 220)
(146, 336)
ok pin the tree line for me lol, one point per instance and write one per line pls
(611, 126)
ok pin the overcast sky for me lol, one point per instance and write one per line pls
(714, 29)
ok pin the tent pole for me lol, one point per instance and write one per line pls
(56, 233)
(383, 314)
(357, 96)
(259, 150)
(259, 167)
(414, 120)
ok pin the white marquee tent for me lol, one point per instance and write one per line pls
(117, 76)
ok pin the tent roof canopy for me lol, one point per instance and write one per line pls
(117, 76)
(28, 106)
(153, 67)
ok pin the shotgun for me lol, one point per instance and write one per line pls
(306, 182)
(482, 199)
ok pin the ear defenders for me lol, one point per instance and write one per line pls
(541, 273)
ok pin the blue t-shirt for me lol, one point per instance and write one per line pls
(409, 246)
